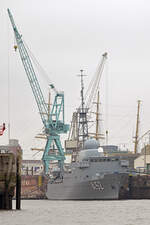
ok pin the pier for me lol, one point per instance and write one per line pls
(7, 179)
(10, 175)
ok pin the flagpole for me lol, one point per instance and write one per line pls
(8, 89)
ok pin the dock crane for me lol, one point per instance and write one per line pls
(89, 99)
(92, 90)
(79, 129)
(54, 124)
(92, 93)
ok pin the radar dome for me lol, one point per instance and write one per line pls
(91, 144)
(100, 149)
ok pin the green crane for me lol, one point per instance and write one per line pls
(54, 123)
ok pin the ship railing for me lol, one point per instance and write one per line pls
(52, 181)
(84, 164)
(142, 170)
(4, 151)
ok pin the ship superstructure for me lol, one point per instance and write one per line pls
(93, 176)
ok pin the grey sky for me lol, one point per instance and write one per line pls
(66, 36)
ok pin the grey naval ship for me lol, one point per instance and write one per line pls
(93, 176)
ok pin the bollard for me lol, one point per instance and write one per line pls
(18, 182)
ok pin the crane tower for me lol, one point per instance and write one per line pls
(54, 124)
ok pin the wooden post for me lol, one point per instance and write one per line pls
(130, 187)
(32, 170)
(6, 197)
(18, 182)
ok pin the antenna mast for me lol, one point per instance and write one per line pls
(83, 123)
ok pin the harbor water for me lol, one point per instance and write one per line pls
(46, 212)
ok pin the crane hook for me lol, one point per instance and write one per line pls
(15, 47)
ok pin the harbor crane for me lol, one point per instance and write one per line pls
(79, 129)
(54, 124)
(83, 115)
(92, 90)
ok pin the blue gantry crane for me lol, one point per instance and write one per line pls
(54, 123)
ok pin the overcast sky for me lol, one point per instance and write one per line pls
(66, 36)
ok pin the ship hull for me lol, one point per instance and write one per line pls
(106, 188)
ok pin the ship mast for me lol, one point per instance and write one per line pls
(82, 112)
(97, 118)
(137, 127)
(97, 135)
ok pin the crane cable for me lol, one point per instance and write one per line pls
(40, 69)
(94, 84)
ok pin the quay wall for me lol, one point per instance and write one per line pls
(33, 186)
(136, 187)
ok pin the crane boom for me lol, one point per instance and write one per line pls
(54, 121)
(81, 117)
(92, 90)
(43, 109)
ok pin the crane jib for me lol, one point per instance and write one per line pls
(54, 121)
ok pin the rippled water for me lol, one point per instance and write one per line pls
(46, 212)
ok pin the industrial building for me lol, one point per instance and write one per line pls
(142, 163)
(32, 167)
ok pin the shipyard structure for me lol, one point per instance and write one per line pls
(10, 165)
(90, 172)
